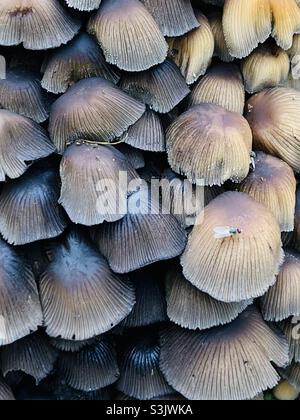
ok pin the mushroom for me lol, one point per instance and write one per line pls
(283, 299)
(232, 362)
(147, 133)
(190, 308)
(134, 156)
(222, 85)
(91, 368)
(140, 376)
(80, 59)
(84, 5)
(71, 345)
(174, 17)
(235, 252)
(22, 141)
(284, 391)
(162, 87)
(81, 298)
(193, 51)
(291, 329)
(29, 208)
(21, 92)
(266, 67)
(20, 309)
(210, 145)
(93, 109)
(5, 392)
(128, 35)
(273, 118)
(150, 307)
(92, 189)
(32, 355)
(272, 183)
(144, 236)
(37, 24)
(221, 50)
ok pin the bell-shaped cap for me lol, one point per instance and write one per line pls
(291, 329)
(221, 49)
(93, 109)
(235, 252)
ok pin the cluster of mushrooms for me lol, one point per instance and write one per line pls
(149, 306)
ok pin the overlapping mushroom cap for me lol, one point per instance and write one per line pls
(93, 109)
(234, 253)
(210, 145)
(38, 25)
(272, 183)
(232, 362)
(128, 35)
(84, 5)
(80, 296)
(273, 118)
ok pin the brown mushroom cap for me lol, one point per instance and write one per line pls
(37, 24)
(80, 296)
(266, 67)
(239, 266)
(147, 133)
(144, 236)
(80, 59)
(32, 355)
(20, 309)
(162, 87)
(210, 145)
(84, 5)
(33, 202)
(91, 191)
(283, 299)
(273, 184)
(93, 109)
(232, 362)
(128, 35)
(174, 17)
(5, 392)
(286, 21)
(140, 376)
(21, 92)
(221, 50)
(193, 51)
(222, 85)
(91, 368)
(190, 308)
(273, 118)
(22, 141)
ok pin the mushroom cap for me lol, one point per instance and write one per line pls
(37, 24)
(221, 50)
(238, 266)
(140, 375)
(210, 145)
(93, 109)
(266, 67)
(273, 118)
(5, 392)
(193, 51)
(71, 345)
(291, 330)
(22, 141)
(128, 35)
(80, 296)
(232, 362)
(91, 190)
(144, 236)
(91, 368)
(32, 355)
(21, 92)
(174, 17)
(80, 59)
(245, 25)
(286, 21)
(222, 85)
(134, 156)
(84, 5)
(190, 308)
(150, 307)
(283, 299)
(147, 133)
(162, 87)
(284, 391)
(33, 202)
(20, 308)
(273, 184)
